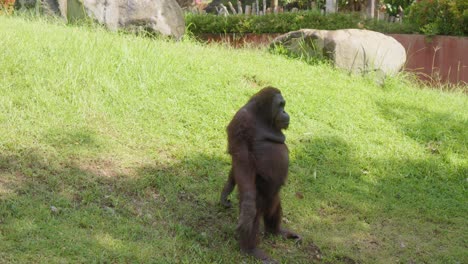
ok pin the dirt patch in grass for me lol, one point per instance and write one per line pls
(103, 167)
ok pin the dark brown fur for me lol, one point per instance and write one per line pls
(260, 162)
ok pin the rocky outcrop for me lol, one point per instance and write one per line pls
(357, 51)
(162, 16)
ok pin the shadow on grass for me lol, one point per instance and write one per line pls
(59, 209)
(93, 212)
(441, 133)
(73, 138)
(382, 209)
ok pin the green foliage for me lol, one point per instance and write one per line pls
(446, 17)
(393, 5)
(285, 22)
(309, 52)
(391, 28)
(430, 29)
(270, 23)
(428, 17)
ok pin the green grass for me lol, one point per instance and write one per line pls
(125, 137)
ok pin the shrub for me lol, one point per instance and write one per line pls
(447, 17)
(285, 22)
(393, 5)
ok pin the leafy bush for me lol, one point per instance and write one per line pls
(285, 22)
(447, 17)
(393, 5)
(430, 17)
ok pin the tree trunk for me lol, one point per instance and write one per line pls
(274, 4)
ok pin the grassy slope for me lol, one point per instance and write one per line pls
(125, 136)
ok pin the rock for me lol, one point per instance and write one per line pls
(355, 50)
(25, 4)
(50, 7)
(213, 6)
(109, 210)
(54, 209)
(47, 7)
(162, 16)
(185, 3)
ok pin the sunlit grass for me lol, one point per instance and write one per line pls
(125, 137)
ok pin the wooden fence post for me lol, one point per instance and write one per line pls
(247, 10)
(239, 7)
(330, 6)
(370, 8)
(232, 8)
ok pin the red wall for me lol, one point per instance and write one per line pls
(445, 58)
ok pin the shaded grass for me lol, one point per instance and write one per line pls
(113, 149)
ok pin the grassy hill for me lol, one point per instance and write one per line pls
(113, 150)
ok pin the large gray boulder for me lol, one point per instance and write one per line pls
(162, 16)
(48, 7)
(355, 50)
